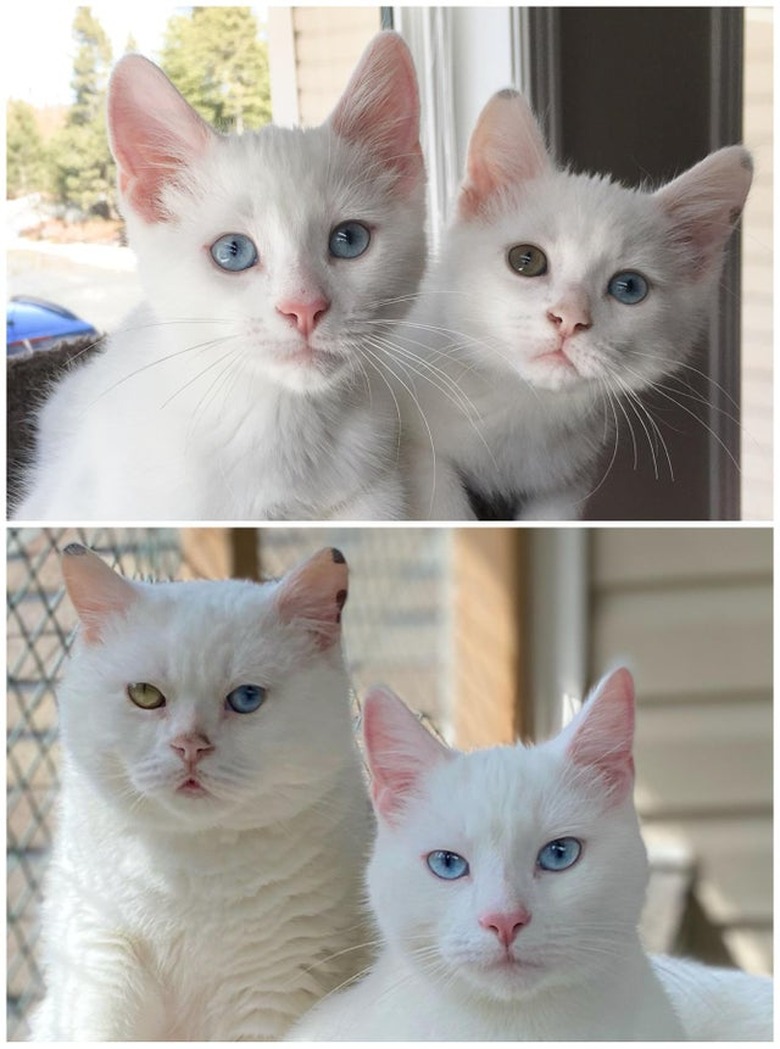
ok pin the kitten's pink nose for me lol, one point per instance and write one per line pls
(570, 316)
(305, 315)
(191, 747)
(506, 924)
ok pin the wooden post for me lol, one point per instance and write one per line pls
(219, 553)
(489, 636)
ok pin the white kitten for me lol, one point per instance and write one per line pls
(273, 263)
(213, 823)
(556, 298)
(507, 884)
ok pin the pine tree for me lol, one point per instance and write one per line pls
(84, 169)
(216, 59)
(25, 151)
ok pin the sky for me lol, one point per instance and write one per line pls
(39, 45)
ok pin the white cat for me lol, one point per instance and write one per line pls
(213, 824)
(556, 298)
(273, 262)
(718, 1005)
(507, 885)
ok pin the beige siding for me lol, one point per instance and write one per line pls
(757, 272)
(691, 609)
(328, 44)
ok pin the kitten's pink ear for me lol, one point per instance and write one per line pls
(706, 202)
(506, 148)
(399, 750)
(154, 133)
(380, 108)
(601, 737)
(314, 592)
(97, 591)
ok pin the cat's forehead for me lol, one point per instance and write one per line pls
(505, 793)
(295, 172)
(587, 214)
(202, 629)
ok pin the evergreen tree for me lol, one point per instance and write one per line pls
(84, 169)
(215, 58)
(25, 151)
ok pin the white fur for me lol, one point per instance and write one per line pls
(718, 1005)
(218, 917)
(578, 970)
(206, 405)
(490, 411)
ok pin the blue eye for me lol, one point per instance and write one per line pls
(245, 699)
(234, 252)
(349, 240)
(628, 288)
(559, 854)
(447, 865)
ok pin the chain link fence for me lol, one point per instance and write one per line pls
(395, 626)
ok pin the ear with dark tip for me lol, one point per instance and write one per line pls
(315, 593)
(705, 203)
(506, 148)
(154, 133)
(380, 108)
(399, 750)
(96, 591)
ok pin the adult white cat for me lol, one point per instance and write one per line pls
(507, 885)
(556, 298)
(272, 261)
(213, 824)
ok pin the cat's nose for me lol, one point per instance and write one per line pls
(506, 924)
(191, 747)
(570, 316)
(304, 315)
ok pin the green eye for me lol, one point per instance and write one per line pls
(527, 260)
(146, 696)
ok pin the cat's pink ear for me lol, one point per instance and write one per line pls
(601, 737)
(506, 149)
(705, 203)
(154, 134)
(97, 591)
(380, 109)
(314, 593)
(399, 749)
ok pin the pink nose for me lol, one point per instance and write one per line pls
(191, 747)
(570, 317)
(305, 315)
(506, 924)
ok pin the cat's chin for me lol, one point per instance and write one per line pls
(555, 371)
(507, 979)
(304, 368)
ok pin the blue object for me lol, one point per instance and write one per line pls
(34, 324)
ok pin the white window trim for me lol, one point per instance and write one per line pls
(462, 55)
(559, 626)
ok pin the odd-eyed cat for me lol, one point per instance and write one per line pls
(213, 823)
(507, 885)
(557, 297)
(272, 261)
